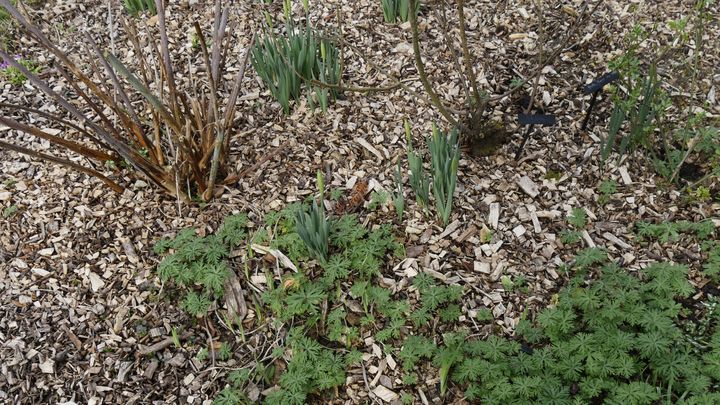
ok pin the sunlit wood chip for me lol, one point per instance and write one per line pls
(385, 394)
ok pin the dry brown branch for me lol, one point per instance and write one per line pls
(91, 172)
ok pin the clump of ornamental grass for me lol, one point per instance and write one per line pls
(140, 116)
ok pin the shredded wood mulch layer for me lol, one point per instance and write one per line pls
(84, 319)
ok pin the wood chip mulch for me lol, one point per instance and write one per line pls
(84, 319)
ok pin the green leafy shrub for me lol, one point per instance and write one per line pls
(199, 264)
(137, 7)
(298, 56)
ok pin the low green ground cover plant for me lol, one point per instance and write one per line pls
(669, 231)
(672, 231)
(13, 75)
(613, 338)
(611, 335)
(10, 211)
(355, 257)
(607, 188)
(198, 265)
(577, 221)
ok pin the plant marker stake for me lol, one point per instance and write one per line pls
(532, 120)
(594, 87)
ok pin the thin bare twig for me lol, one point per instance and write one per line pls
(420, 66)
(441, 16)
(467, 55)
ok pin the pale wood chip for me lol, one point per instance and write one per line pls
(528, 186)
(365, 144)
(615, 240)
(586, 237)
(624, 175)
(385, 394)
(235, 299)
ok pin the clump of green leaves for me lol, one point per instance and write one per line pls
(312, 224)
(436, 300)
(614, 338)
(444, 159)
(378, 199)
(137, 7)
(577, 220)
(199, 264)
(398, 196)
(398, 10)
(667, 231)
(700, 194)
(352, 250)
(13, 75)
(607, 188)
(234, 393)
(711, 268)
(419, 181)
(298, 56)
(445, 156)
(312, 369)
(9, 211)
(671, 231)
